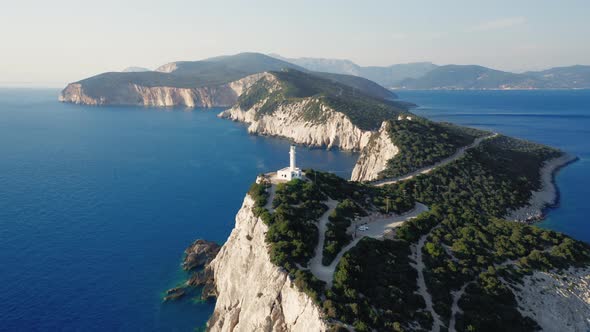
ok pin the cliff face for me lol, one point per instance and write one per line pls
(252, 293)
(288, 120)
(74, 93)
(223, 95)
(374, 156)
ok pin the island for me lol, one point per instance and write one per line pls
(433, 232)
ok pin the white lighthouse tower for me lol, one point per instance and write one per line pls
(291, 172)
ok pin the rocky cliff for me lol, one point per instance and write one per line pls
(556, 301)
(252, 293)
(223, 95)
(374, 156)
(289, 120)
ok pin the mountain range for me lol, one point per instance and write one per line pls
(196, 83)
(428, 76)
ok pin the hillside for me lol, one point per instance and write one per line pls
(363, 110)
(452, 77)
(192, 83)
(134, 69)
(311, 110)
(467, 77)
(458, 266)
(427, 76)
(387, 76)
(565, 77)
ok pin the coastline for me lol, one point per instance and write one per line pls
(547, 196)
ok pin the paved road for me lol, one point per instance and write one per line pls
(424, 170)
(378, 225)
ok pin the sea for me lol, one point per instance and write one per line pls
(97, 204)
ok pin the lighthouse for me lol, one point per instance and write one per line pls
(291, 172)
(292, 158)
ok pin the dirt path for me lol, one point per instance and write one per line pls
(424, 170)
(378, 225)
(271, 197)
(315, 264)
(455, 307)
(422, 289)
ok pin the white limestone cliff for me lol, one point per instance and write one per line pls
(74, 93)
(223, 95)
(288, 120)
(252, 293)
(374, 157)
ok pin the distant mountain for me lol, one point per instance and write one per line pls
(426, 75)
(336, 66)
(134, 69)
(207, 82)
(565, 77)
(451, 77)
(466, 77)
(389, 76)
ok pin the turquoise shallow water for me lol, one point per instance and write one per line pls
(98, 204)
(556, 118)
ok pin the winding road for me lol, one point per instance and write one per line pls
(378, 225)
(427, 169)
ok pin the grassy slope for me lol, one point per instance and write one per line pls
(363, 110)
(213, 72)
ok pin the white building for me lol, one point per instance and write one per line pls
(291, 172)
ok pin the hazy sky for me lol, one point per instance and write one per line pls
(49, 43)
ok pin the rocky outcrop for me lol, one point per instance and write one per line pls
(74, 93)
(200, 253)
(546, 196)
(556, 301)
(252, 293)
(334, 129)
(223, 95)
(374, 157)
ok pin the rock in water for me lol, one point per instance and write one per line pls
(174, 293)
(200, 253)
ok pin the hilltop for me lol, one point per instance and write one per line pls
(215, 81)
(312, 111)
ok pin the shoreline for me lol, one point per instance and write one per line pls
(547, 197)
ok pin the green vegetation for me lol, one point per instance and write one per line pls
(423, 143)
(374, 288)
(292, 233)
(497, 175)
(471, 245)
(466, 242)
(364, 110)
(467, 245)
(336, 236)
(260, 196)
(211, 72)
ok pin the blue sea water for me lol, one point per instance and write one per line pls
(98, 204)
(559, 118)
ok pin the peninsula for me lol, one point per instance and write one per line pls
(431, 233)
